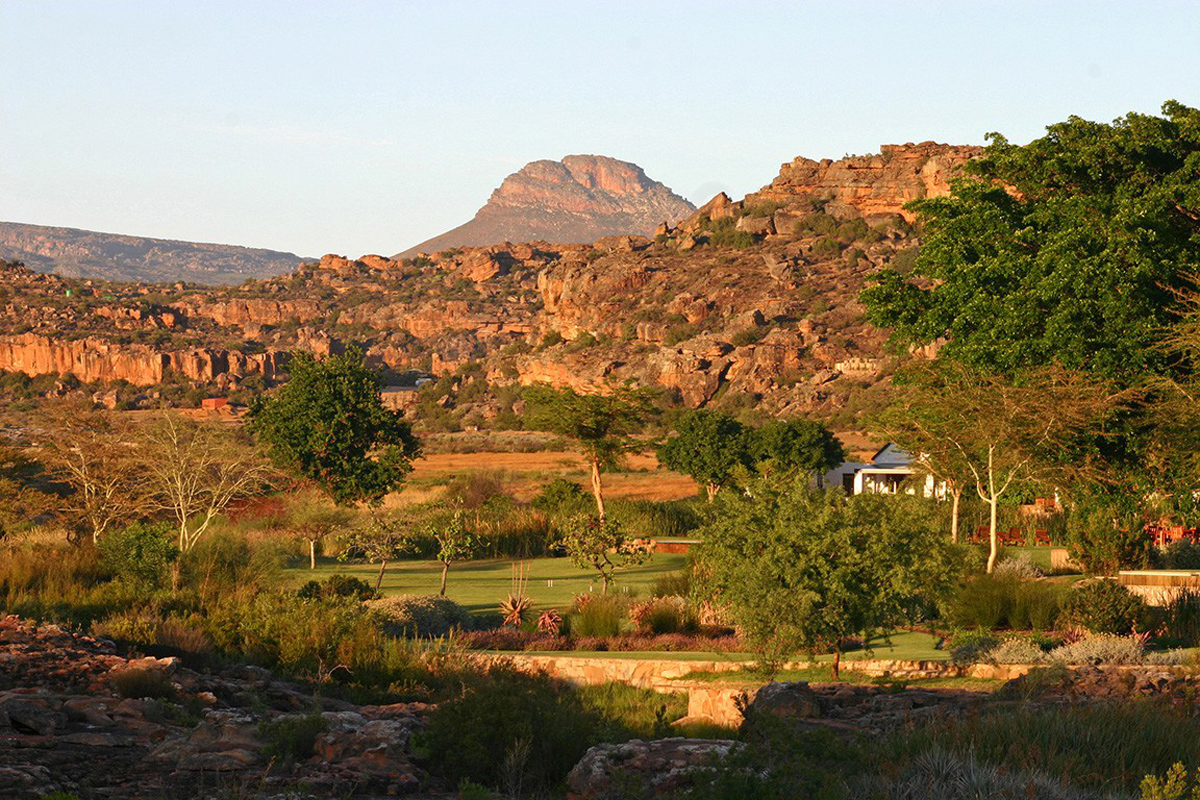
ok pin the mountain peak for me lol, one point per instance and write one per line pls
(578, 199)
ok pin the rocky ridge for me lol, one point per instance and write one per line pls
(579, 199)
(742, 303)
(88, 254)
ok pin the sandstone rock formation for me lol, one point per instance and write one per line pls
(71, 722)
(579, 199)
(88, 254)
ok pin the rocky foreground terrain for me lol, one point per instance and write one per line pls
(78, 717)
(749, 303)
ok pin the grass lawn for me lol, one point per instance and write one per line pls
(481, 585)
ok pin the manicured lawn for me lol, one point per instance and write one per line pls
(481, 585)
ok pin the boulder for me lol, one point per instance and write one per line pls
(637, 768)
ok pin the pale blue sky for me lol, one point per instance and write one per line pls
(358, 127)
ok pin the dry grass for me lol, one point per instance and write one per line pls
(524, 474)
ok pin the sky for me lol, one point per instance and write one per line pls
(358, 127)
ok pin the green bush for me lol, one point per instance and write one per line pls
(1104, 606)
(561, 494)
(599, 616)
(971, 647)
(420, 616)
(1181, 619)
(1180, 555)
(724, 233)
(510, 730)
(141, 553)
(997, 601)
(337, 586)
(291, 738)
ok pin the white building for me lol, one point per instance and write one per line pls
(889, 471)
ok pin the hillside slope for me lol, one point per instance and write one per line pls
(111, 256)
(578, 199)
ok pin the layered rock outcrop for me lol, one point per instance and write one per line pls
(77, 717)
(579, 199)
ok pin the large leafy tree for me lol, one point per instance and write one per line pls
(1064, 251)
(328, 424)
(603, 424)
(801, 569)
(708, 446)
(792, 446)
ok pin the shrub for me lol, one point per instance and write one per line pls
(600, 616)
(474, 489)
(1016, 650)
(724, 233)
(561, 494)
(1036, 605)
(1104, 606)
(1020, 568)
(1181, 619)
(291, 738)
(510, 730)
(984, 602)
(143, 683)
(748, 336)
(337, 586)
(140, 553)
(661, 615)
(971, 647)
(677, 584)
(1100, 648)
(420, 616)
(1182, 554)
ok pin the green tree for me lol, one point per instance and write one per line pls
(1064, 251)
(454, 539)
(602, 424)
(709, 447)
(803, 569)
(602, 545)
(791, 446)
(379, 539)
(328, 424)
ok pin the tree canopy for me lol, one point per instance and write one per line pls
(803, 569)
(796, 445)
(603, 424)
(328, 424)
(1064, 251)
(709, 447)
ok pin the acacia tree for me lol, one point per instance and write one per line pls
(602, 424)
(194, 470)
(379, 539)
(602, 545)
(800, 569)
(709, 447)
(996, 434)
(93, 452)
(312, 519)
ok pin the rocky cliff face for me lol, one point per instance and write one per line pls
(748, 303)
(88, 254)
(578, 199)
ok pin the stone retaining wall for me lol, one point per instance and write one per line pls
(715, 701)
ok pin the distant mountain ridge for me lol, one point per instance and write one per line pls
(577, 200)
(118, 257)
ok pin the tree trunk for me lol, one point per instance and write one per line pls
(596, 489)
(711, 488)
(837, 663)
(993, 501)
(312, 553)
(379, 580)
(604, 586)
(954, 513)
(445, 571)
